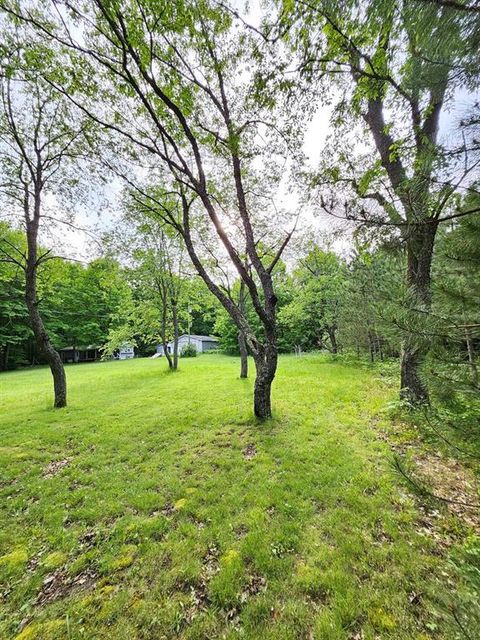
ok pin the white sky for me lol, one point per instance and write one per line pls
(83, 247)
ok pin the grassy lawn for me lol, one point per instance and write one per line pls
(155, 507)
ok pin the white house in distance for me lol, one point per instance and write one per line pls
(201, 344)
(125, 352)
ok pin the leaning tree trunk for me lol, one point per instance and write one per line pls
(414, 350)
(266, 366)
(242, 340)
(165, 351)
(42, 339)
(242, 346)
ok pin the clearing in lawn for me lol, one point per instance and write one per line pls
(155, 507)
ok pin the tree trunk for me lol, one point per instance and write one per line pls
(164, 335)
(419, 263)
(380, 346)
(333, 338)
(242, 340)
(242, 345)
(266, 366)
(371, 346)
(413, 388)
(175, 334)
(42, 339)
(5, 352)
(471, 357)
(167, 355)
(265, 353)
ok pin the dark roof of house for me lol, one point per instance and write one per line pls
(81, 348)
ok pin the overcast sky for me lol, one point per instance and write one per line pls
(315, 134)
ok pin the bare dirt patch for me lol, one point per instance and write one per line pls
(255, 585)
(199, 599)
(167, 510)
(59, 584)
(240, 531)
(445, 487)
(210, 562)
(88, 539)
(55, 467)
(250, 451)
(453, 483)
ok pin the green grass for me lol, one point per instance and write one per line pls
(159, 526)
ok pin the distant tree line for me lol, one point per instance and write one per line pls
(355, 305)
(101, 303)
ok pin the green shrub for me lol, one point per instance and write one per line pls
(188, 351)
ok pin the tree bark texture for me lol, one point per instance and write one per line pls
(266, 366)
(242, 345)
(420, 245)
(242, 341)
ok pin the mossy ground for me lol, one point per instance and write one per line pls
(169, 512)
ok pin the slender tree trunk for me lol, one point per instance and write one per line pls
(242, 341)
(371, 346)
(266, 366)
(164, 333)
(40, 333)
(379, 346)
(414, 350)
(165, 351)
(333, 338)
(175, 334)
(44, 345)
(471, 357)
(265, 353)
(242, 345)
(5, 352)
